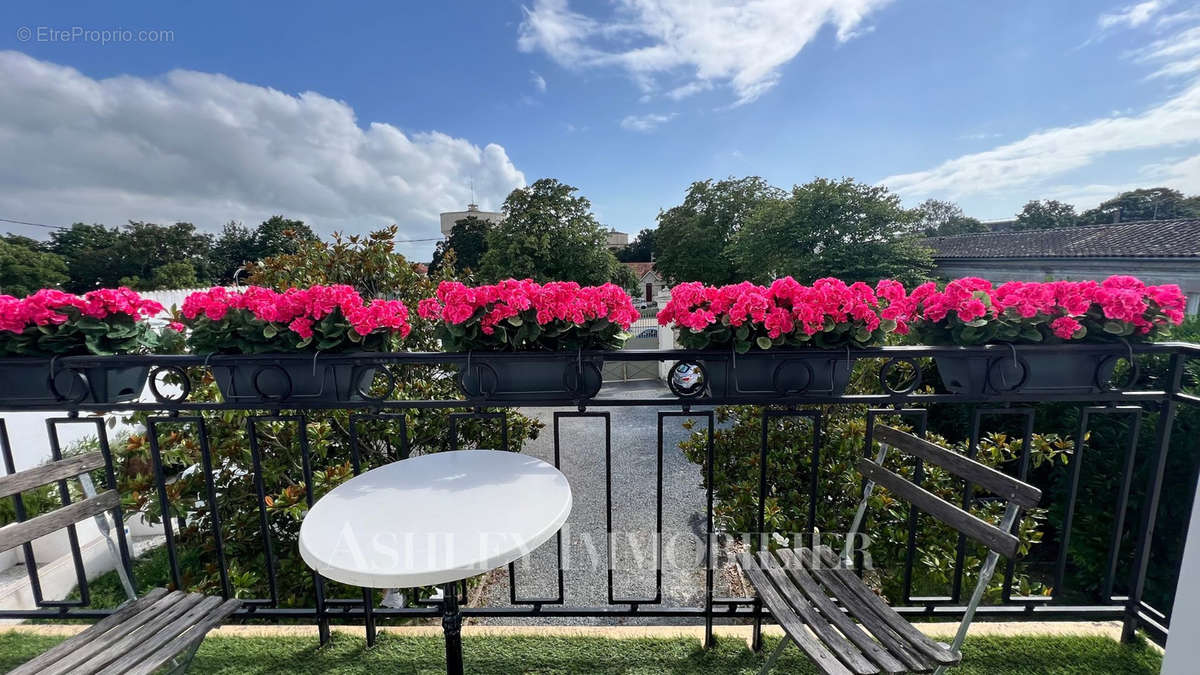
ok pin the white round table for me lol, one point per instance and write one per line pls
(435, 519)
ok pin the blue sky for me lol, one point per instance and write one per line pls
(359, 114)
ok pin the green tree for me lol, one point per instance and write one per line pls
(549, 234)
(641, 249)
(89, 251)
(840, 228)
(1046, 214)
(935, 218)
(1157, 203)
(692, 238)
(468, 239)
(26, 267)
(238, 245)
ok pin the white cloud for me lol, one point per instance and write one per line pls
(538, 81)
(1044, 156)
(1133, 15)
(646, 123)
(691, 44)
(206, 148)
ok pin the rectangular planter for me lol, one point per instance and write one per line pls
(27, 380)
(501, 376)
(773, 374)
(289, 379)
(1031, 372)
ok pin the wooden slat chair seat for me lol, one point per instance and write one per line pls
(160, 628)
(839, 621)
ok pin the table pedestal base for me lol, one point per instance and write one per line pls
(452, 627)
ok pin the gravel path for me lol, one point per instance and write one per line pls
(585, 559)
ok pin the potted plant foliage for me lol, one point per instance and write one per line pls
(784, 339)
(36, 331)
(495, 324)
(970, 312)
(289, 332)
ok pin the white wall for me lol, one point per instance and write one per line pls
(1183, 649)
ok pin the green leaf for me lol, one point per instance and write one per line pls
(269, 331)
(763, 342)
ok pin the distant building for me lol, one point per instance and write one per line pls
(1155, 251)
(617, 239)
(449, 218)
(650, 284)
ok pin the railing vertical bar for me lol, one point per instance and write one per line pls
(1010, 567)
(1118, 534)
(914, 514)
(759, 544)
(214, 509)
(164, 506)
(1060, 566)
(306, 466)
(263, 519)
(110, 481)
(1166, 420)
(64, 494)
(31, 570)
(709, 553)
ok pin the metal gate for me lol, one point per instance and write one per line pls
(645, 336)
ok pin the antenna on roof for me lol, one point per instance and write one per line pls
(472, 191)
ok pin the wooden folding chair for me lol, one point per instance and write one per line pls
(835, 618)
(145, 634)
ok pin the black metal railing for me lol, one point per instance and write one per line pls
(1152, 391)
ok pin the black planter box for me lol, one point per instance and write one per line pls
(27, 380)
(778, 373)
(508, 376)
(287, 379)
(1060, 371)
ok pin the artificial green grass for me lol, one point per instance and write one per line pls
(537, 654)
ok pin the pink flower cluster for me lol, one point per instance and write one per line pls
(1064, 304)
(787, 306)
(53, 307)
(567, 301)
(299, 309)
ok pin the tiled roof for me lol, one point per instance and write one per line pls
(1142, 239)
(639, 268)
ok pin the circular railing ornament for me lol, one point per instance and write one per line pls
(687, 379)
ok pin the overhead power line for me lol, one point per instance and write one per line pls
(61, 227)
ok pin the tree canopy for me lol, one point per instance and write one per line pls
(549, 234)
(935, 218)
(1157, 203)
(1045, 214)
(839, 228)
(692, 237)
(238, 245)
(641, 249)
(468, 240)
(25, 266)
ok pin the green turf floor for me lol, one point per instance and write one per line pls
(530, 654)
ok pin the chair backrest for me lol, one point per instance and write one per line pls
(1016, 493)
(26, 531)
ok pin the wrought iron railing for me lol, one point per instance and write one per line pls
(172, 407)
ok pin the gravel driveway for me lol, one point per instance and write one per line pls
(585, 558)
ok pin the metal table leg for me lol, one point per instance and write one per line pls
(452, 627)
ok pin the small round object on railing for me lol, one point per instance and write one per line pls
(1105, 368)
(584, 380)
(907, 385)
(76, 381)
(185, 384)
(363, 390)
(483, 375)
(283, 384)
(792, 376)
(687, 379)
(1007, 373)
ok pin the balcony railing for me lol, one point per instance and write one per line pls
(1151, 397)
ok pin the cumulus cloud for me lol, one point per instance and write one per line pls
(690, 45)
(206, 148)
(646, 123)
(1043, 157)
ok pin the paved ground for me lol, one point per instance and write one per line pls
(634, 455)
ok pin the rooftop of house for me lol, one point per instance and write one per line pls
(640, 268)
(1140, 239)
